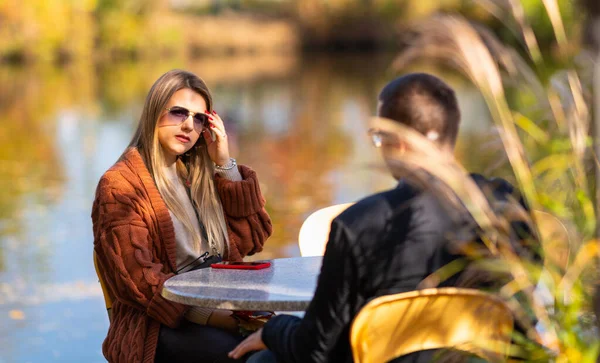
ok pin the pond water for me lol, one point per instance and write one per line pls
(300, 122)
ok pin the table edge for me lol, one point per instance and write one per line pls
(228, 304)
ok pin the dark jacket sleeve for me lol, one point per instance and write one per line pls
(328, 316)
(523, 239)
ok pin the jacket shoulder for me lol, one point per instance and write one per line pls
(497, 189)
(376, 208)
(120, 179)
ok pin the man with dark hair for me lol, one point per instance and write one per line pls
(424, 103)
(385, 244)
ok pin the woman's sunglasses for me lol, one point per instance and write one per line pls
(176, 115)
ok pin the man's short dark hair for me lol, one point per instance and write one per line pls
(423, 102)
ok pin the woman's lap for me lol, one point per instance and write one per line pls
(195, 343)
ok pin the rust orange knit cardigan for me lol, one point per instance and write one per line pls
(134, 240)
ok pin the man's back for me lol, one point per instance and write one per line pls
(387, 243)
(412, 237)
(399, 238)
(384, 244)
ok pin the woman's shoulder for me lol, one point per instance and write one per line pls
(121, 178)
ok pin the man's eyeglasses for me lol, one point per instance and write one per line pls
(379, 137)
(176, 115)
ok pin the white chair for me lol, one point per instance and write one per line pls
(315, 229)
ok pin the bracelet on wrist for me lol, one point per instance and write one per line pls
(228, 166)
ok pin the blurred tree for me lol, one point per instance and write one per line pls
(49, 30)
(133, 28)
(61, 30)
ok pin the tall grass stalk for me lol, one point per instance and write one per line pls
(548, 146)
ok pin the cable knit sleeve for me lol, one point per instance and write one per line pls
(125, 250)
(248, 222)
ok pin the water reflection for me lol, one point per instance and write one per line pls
(300, 122)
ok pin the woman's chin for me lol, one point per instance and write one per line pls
(182, 152)
(174, 152)
(179, 150)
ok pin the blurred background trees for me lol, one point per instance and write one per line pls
(63, 30)
(296, 82)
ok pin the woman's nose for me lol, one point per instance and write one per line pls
(188, 124)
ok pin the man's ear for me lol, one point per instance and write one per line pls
(394, 151)
(432, 135)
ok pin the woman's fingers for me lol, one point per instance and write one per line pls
(218, 147)
(221, 134)
(207, 137)
(216, 124)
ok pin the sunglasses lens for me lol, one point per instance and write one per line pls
(200, 120)
(178, 115)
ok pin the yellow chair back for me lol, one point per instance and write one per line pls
(555, 238)
(314, 232)
(108, 300)
(463, 319)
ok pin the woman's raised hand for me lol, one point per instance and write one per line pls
(218, 149)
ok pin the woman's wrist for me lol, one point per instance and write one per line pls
(229, 171)
(223, 319)
(199, 315)
(227, 165)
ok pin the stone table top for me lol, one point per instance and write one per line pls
(287, 285)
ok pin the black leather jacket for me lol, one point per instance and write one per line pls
(384, 244)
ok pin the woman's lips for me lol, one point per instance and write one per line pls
(182, 138)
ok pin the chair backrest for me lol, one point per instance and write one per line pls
(315, 229)
(463, 319)
(555, 238)
(108, 300)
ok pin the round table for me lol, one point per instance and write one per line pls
(287, 285)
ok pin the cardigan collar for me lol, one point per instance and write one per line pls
(165, 224)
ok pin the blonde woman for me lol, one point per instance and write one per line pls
(173, 202)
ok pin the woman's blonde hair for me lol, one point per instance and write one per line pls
(194, 168)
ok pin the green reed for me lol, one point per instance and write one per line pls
(544, 129)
